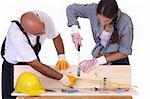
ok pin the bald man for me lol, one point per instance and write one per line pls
(22, 45)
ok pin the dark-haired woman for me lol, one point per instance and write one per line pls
(112, 32)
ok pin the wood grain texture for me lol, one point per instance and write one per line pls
(115, 73)
(81, 97)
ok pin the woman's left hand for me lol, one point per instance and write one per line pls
(87, 64)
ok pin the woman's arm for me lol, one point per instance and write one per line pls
(115, 56)
(79, 10)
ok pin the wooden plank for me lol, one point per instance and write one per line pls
(81, 97)
(115, 73)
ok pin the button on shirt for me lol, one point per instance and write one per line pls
(17, 48)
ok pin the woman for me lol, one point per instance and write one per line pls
(112, 32)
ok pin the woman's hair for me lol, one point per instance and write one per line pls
(109, 9)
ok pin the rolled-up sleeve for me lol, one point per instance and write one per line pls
(78, 10)
(126, 40)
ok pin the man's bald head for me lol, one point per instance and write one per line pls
(31, 23)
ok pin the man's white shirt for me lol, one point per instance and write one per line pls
(17, 48)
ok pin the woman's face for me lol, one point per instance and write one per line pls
(104, 20)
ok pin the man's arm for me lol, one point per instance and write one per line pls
(58, 43)
(45, 70)
(62, 63)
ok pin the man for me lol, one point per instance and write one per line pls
(22, 45)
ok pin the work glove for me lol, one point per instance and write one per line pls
(62, 64)
(68, 80)
(76, 38)
(87, 64)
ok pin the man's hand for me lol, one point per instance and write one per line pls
(68, 80)
(62, 64)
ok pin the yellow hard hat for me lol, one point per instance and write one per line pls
(29, 83)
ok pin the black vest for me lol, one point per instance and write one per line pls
(36, 48)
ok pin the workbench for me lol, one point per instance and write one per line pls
(115, 73)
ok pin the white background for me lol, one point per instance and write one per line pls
(138, 10)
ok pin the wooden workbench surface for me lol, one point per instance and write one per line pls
(115, 73)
